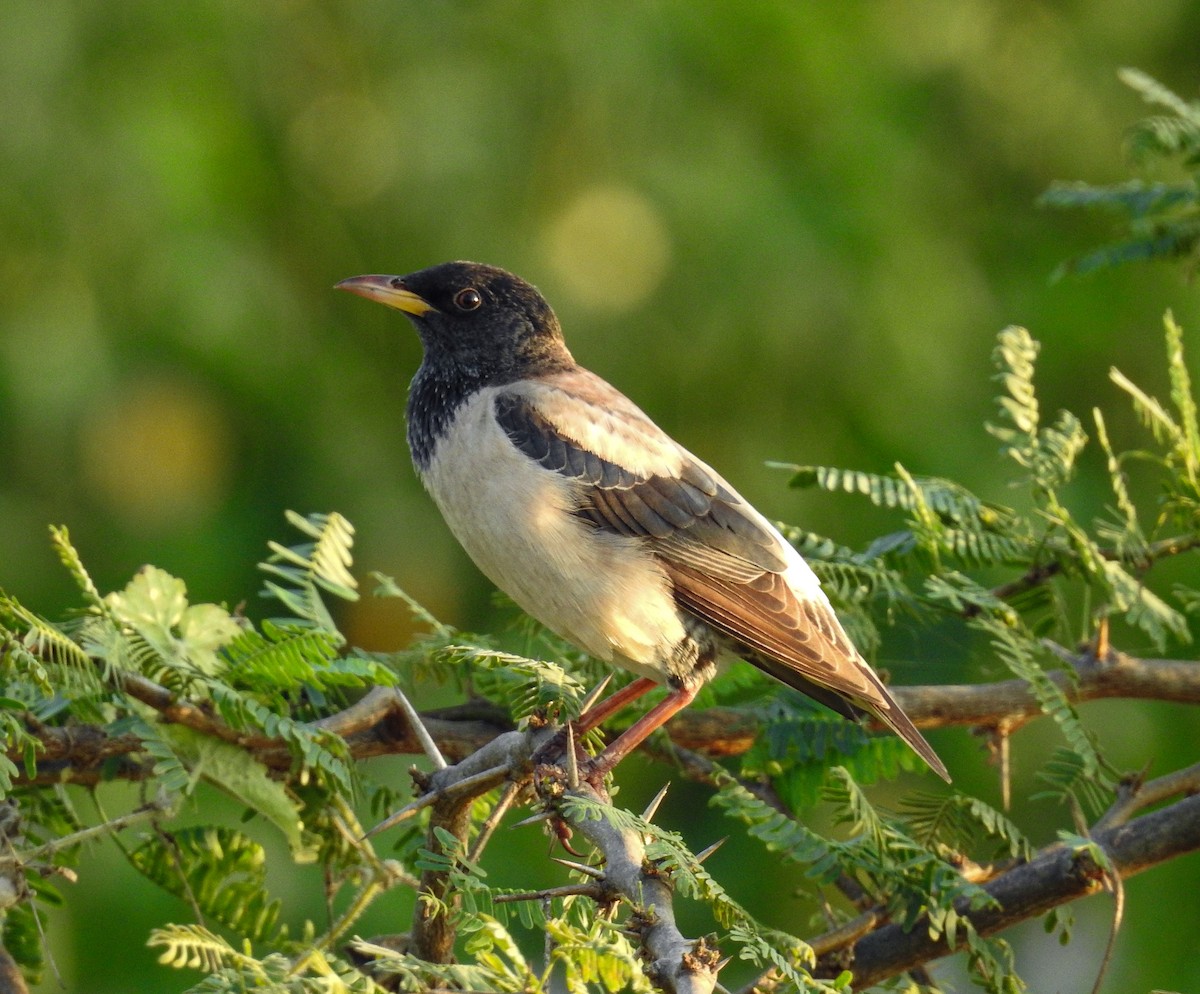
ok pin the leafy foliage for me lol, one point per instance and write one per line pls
(1162, 218)
(910, 879)
(800, 741)
(188, 694)
(220, 871)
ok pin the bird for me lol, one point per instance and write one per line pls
(597, 523)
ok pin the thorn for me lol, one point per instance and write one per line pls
(570, 864)
(705, 853)
(652, 807)
(533, 819)
(594, 696)
(421, 732)
(458, 787)
(572, 759)
(406, 812)
(467, 784)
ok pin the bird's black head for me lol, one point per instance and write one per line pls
(488, 324)
(480, 326)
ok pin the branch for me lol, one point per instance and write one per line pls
(1040, 574)
(1056, 876)
(11, 979)
(1116, 674)
(675, 964)
(376, 725)
(1010, 702)
(505, 757)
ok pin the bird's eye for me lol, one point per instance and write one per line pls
(468, 299)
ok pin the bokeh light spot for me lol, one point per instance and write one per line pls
(610, 248)
(345, 147)
(158, 452)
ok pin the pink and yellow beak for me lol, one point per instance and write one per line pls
(389, 290)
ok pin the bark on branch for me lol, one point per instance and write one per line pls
(376, 725)
(674, 963)
(1056, 876)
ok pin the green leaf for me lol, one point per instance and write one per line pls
(310, 567)
(154, 605)
(220, 870)
(234, 771)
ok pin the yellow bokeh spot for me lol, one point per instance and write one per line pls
(158, 452)
(346, 147)
(609, 248)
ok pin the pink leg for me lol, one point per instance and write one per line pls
(601, 711)
(635, 734)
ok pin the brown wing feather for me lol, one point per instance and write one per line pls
(765, 616)
(726, 564)
(800, 643)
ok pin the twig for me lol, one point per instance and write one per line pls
(1134, 795)
(493, 821)
(847, 933)
(1037, 575)
(1117, 886)
(152, 809)
(566, 890)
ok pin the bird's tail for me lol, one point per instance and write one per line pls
(888, 711)
(902, 725)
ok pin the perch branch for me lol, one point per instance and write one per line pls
(455, 788)
(377, 724)
(675, 964)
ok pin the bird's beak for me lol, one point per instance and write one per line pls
(387, 290)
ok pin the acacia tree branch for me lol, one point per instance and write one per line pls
(674, 963)
(1134, 794)
(1058, 875)
(505, 757)
(1042, 573)
(376, 725)
(1116, 674)
(1007, 702)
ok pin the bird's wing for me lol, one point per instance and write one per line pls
(729, 567)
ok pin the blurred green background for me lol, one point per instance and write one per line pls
(789, 230)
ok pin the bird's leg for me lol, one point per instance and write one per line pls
(599, 713)
(594, 716)
(679, 698)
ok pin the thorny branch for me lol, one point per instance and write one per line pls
(674, 963)
(377, 724)
(479, 737)
(1057, 875)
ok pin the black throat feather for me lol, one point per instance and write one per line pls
(434, 397)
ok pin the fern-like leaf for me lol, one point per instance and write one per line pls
(955, 821)
(1164, 220)
(218, 869)
(300, 572)
(1153, 92)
